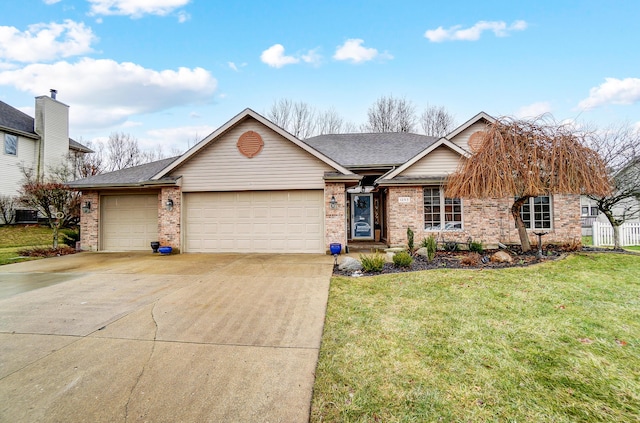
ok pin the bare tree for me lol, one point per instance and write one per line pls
(329, 122)
(389, 114)
(523, 159)
(297, 118)
(436, 121)
(52, 198)
(619, 147)
(8, 205)
(122, 151)
(89, 164)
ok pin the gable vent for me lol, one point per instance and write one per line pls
(250, 144)
(476, 140)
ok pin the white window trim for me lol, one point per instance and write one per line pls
(4, 145)
(442, 212)
(532, 214)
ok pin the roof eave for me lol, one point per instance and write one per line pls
(343, 178)
(427, 180)
(19, 132)
(129, 185)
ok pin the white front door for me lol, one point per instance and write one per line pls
(361, 216)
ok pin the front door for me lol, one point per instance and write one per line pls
(361, 216)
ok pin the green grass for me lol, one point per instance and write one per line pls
(557, 342)
(14, 238)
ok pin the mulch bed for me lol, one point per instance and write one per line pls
(456, 260)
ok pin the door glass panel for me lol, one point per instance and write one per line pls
(361, 223)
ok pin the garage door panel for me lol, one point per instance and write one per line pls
(128, 222)
(265, 221)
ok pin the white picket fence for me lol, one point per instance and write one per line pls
(603, 234)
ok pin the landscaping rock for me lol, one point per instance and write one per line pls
(392, 252)
(349, 264)
(422, 251)
(502, 257)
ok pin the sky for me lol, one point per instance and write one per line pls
(169, 72)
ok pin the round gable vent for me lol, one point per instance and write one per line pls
(250, 144)
(475, 141)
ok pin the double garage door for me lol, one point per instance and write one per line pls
(254, 221)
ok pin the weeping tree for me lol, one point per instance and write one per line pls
(522, 159)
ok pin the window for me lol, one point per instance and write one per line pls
(585, 211)
(10, 144)
(441, 213)
(537, 211)
(594, 211)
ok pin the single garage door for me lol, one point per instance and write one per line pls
(129, 222)
(255, 221)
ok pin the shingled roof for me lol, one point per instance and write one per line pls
(13, 119)
(131, 176)
(371, 149)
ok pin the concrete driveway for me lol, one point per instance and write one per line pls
(109, 337)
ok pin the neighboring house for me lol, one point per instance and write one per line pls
(629, 207)
(250, 186)
(36, 144)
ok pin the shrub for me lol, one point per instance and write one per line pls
(47, 251)
(402, 259)
(7, 209)
(431, 245)
(372, 262)
(476, 247)
(410, 239)
(70, 236)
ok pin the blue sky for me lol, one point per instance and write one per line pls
(171, 71)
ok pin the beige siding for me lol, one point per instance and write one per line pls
(129, 222)
(11, 175)
(440, 161)
(462, 139)
(280, 165)
(258, 221)
(52, 124)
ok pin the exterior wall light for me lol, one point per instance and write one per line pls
(333, 202)
(86, 207)
(169, 204)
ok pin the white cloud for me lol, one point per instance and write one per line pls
(353, 51)
(613, 91)
(51, 1)
(183, 16)
(457, 33)
(312, 57)
(44, 42)
(235, 67)
(534, 109)
(136, 8)
(274, 56)
(102, 93)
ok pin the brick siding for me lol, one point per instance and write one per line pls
(485, 220)
(335, 220)
(90, 222)
(169, 221)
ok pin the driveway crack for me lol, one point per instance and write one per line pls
(146, 364)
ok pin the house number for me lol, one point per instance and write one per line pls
(404, 199)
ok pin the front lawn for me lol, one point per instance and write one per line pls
(14, 238)
(557, 342)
